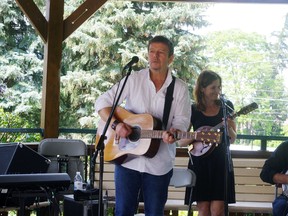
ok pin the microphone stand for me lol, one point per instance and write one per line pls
(101, 146)
(228, 164)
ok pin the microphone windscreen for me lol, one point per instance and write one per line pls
(135, 59)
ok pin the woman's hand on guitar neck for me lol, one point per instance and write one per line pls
(230, 123)
(232, 134)
(231, 129)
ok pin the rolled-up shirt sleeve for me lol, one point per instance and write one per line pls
(107, 98)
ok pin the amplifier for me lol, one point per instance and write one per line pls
(17, 158)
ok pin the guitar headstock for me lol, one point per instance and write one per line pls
(247, 109)
(209, 136)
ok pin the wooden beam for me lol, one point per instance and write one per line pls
(220, 1)
(52, 64)
(80, 15)
(35, 16)
(243, 1)
(53, 31)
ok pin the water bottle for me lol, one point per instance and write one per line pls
(78, 182)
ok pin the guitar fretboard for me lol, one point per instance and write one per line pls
(200, 136)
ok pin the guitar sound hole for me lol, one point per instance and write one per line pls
(135, 135)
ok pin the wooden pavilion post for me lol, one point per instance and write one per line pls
(52, 66)
(54, 30)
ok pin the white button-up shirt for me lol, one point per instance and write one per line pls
(140, 96)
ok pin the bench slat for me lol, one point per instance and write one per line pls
(249, 180)
(256, 190)
(252, 197)
(251, 207)
(248, 162)
(246, 172)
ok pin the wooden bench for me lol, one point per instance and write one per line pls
(252, 194)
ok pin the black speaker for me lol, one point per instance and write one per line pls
(18, 158)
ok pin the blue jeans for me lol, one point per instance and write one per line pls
(128, 183)
(280, 206)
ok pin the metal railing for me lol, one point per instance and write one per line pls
(263, 139)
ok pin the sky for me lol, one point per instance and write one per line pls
(261, 18)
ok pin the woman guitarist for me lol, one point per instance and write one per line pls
(209, 192)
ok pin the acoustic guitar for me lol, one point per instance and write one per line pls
(145, 138)
(198, 149)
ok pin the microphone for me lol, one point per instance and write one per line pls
(224, 102)
(134, 60)
(222, 97)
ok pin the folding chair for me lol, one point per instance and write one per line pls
(184, 177)
(65, 155)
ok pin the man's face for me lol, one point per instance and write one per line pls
(158, 57)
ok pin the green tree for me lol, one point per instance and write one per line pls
(250, 73)
(93, 55)
(20, 63)
(20, 70)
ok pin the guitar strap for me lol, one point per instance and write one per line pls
(168, 102)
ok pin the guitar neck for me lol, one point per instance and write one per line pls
(220, 125)
(157, 134)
